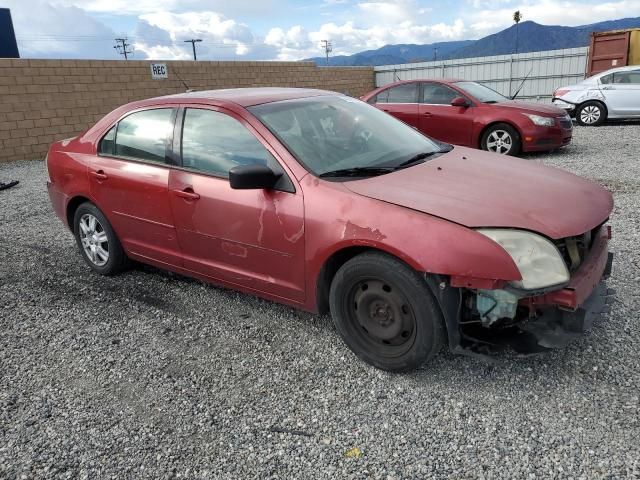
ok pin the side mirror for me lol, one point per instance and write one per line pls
(460, 102)
(251, 177)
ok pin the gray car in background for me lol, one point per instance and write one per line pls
(613, 94)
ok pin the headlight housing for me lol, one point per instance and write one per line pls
(540, 120)
(538, 260)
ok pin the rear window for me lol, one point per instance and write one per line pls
(142, 135)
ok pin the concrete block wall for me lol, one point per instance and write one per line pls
(42, 101)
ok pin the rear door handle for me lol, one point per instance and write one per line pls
(426, 114)
(187, 194)
(99, 175)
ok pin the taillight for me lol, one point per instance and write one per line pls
(560, 92)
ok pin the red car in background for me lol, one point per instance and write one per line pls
(473, 115)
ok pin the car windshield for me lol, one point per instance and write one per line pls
(481, 93)
(332, 134)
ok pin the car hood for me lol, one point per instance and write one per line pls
(481, 189)
(530, 107)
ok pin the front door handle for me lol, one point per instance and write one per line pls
(99, 175)
(187, 194)
(426, 114)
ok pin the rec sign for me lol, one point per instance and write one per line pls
(159, 71)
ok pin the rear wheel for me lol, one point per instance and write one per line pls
(385, 312)
(501, 138)
(97, 241)
(591, 114)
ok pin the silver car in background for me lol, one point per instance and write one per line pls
(613, 94)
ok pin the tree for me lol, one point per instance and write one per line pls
(517, 16)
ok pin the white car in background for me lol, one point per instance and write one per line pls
(613, 94)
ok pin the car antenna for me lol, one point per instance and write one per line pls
(188, 90)
(520, 87)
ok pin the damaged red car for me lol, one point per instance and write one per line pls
(322, 202)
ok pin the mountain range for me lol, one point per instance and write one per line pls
(531, 37)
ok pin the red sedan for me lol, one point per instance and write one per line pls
(473, 115)
(324, 203)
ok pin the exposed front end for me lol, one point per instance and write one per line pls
(532, 317)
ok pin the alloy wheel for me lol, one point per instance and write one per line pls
(499, 141)
(590, 114)
(93, 238)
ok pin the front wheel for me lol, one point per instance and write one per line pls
(591, 114)
(385, 312)
(501, 138)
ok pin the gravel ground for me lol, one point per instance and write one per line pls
(151, 375)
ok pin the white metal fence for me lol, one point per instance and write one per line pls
(547, 71)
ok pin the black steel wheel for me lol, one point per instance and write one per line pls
(385, 312)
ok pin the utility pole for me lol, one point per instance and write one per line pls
(193, 42)
(328, 48)
(122, 47)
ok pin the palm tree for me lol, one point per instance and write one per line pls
(517, 16)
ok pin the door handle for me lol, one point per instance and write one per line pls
(187, 194)
(606, 87)
(426, 114)
(99, 175)
(385, 110)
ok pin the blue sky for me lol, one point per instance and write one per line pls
(276, 29)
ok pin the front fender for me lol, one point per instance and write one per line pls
(337, 219)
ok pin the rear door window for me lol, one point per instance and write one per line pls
(380, 97)
(144, 135)
(405, 93)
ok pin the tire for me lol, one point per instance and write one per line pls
(501, 138)
(98, 243)
(591, 114)
(385, 312)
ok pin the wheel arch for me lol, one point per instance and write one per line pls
(333, 263)
(493, 124)
(72, 206)
(593, 100)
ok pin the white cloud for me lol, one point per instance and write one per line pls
(72, 28)
(52, 31)
(162, 35)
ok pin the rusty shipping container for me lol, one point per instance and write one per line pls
(612, 49)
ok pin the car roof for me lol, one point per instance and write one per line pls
(618, 69)
(436, 80)
(245, 97)
(370, 94)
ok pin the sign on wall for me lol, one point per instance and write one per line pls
(159, 71)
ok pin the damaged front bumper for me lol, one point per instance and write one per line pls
(554, 327)
(544, 321)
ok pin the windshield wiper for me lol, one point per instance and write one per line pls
(421, 156)
(357, 172)
(491, 101)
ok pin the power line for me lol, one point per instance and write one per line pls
(328, 48)
(121, 46)
(193, 42)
